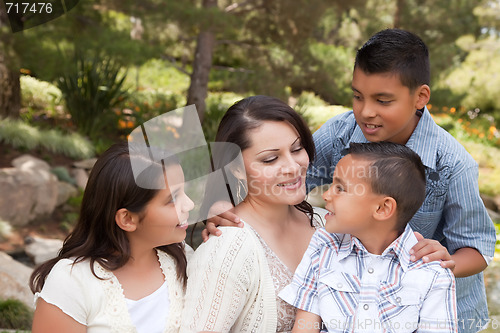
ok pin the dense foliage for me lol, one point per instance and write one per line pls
(277, 47)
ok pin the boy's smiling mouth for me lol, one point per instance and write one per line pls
(330, 213)
(371, 129)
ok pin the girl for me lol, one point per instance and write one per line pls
(123, 267)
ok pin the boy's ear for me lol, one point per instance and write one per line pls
(386, 209)
(423, 94)
(126, 220)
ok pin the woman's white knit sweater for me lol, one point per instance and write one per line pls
(229, 286)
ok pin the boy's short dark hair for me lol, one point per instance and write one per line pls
(396, 171)
(396, 51)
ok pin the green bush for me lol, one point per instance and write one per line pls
(305, 101)
(21, 135)
(15, 315)
(471, 134)
(91, 89)
(155, 74)
(476, 82)
(318, 115)
(39, 95)
(489, 171)
(309, 98)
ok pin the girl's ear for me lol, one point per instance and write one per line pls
(386, 209)
(423, 94)
(126, 220)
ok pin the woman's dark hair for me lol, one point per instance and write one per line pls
(111, 186)
(249, 113)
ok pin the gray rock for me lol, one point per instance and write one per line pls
(28, 162)
(81, 177)
(14, 279)
(64, 192)
(29, 190)
(85, 164)
(5, 230)
(42, 249)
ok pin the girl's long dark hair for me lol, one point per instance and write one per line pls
(96, 236)
(249, 113)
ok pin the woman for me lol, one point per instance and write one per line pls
(123, 267)
(234, 279)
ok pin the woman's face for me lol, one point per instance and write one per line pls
(276, 164)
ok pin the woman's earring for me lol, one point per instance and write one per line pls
(241, 191)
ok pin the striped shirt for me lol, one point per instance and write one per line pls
(355, 291)
(452, 213)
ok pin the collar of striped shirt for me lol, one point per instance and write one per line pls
(399, 248)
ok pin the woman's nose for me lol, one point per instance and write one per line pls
(291, 165)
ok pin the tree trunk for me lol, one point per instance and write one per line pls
(10, 91)
(202, 63)
(10, 86)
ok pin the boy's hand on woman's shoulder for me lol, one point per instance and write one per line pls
(431, 250)
(227, 219)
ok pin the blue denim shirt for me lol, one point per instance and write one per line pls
(452, 213)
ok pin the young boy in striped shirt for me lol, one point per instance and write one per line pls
(356, 275)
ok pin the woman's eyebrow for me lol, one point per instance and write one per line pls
(277, 149)
(263, 151)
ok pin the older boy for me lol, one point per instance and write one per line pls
(390, 90)
(361, 278)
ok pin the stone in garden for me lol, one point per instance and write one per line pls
(85, 164)
(28, 162)
(5, 230)
(42, 249)
(81, 177)
(64, 192)
(28, 190)
(14, 279)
